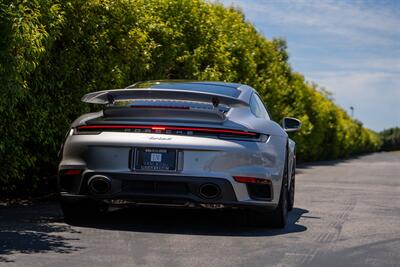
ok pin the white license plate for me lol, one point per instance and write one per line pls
(155, 159)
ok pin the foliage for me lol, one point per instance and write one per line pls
(390, 139)
(52, 52)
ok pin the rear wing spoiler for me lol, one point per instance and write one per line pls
(110, 96)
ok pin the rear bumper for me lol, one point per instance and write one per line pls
(198, 157)
(200, 160)
(156, 190)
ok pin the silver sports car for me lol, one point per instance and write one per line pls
(189, 144)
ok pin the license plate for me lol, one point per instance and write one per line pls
(155, 159)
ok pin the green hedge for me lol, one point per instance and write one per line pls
(53, 51)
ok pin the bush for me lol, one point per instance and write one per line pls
(52, 52)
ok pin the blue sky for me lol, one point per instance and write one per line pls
(352, 48)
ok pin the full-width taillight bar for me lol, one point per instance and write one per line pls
(163, 128)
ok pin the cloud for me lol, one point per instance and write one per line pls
(352, 48)
(371, 63)
(349, 20)
(375, 95)
(362, 83)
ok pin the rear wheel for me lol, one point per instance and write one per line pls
(276, 218)
(80, 209)
(292, 189)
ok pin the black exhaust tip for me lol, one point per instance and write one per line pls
(210, 191)
(99, 184)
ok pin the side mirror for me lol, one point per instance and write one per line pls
(291, 124)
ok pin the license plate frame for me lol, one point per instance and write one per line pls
(155, 160)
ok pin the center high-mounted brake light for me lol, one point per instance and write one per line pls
(164, 128)
(161, 107)
(158, 128)
(72, 172)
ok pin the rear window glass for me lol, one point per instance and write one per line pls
(257, 107)
(191, 86)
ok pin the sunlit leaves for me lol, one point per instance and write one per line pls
(53, 52)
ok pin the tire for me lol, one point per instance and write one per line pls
(278, 217)
(291, 192)
(80, 209)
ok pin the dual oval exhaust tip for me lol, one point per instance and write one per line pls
(209, 191)
(99, 184)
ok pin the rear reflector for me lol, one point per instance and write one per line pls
(72, 172)
(164, 128)
(252, 180)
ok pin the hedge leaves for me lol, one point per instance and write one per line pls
(52, 52)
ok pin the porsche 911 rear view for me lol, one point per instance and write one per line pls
(183, 144)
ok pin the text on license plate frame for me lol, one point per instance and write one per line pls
(155, 159)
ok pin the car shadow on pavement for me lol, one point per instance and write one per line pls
(33, 229)
(188, 222)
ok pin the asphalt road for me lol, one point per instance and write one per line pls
(347, 213)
